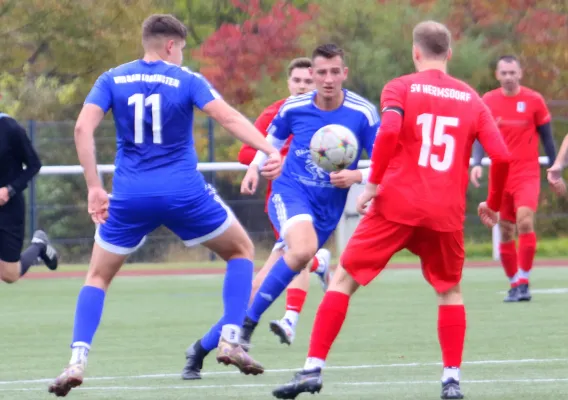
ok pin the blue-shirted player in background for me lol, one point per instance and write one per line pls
(306, 202)
(157, 183)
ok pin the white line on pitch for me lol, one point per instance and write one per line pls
(264, 385)
(337, 367)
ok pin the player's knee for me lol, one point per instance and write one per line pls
(244, 248)
(507, 231)
(451, 296)
(10, 272)
(525, 223)
(300, 255)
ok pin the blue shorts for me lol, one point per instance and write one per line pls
(286, 208)
(194, 217)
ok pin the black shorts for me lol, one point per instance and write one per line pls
(12, 229)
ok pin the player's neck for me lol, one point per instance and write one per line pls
(151, 56)
(329, 104)
(511, 93)
(433, 65)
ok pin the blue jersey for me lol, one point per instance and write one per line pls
(300, 174)
(152, 104)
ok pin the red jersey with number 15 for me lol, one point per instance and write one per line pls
(426, 180)
(517, 118)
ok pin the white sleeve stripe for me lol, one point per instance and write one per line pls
(372, 117)
(372, 109)
(286, 107)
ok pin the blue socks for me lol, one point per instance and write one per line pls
(88, 314)
(236, 295)
(274, 284)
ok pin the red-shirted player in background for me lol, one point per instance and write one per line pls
(522, 115)
(419, 176)
(299, 81)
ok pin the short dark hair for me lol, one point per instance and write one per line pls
(163, 25)
(302, 62)
(508, 58)
(433, 38)
(328, 51)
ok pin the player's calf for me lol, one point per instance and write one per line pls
(451, 334)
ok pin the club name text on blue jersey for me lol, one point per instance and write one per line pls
(300, 117)
(152, 105)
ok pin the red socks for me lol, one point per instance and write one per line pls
(508, 253)
(527, 250)
(329, 319)
(295, 299)
(451, 334)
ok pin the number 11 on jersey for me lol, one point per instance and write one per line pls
(440, 138)
(140, 104)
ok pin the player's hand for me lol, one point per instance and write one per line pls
(488, 217)
(365, 199)
(345, 178)
(475, 175)
(4, 196)
(554, 175)
(98, 205)
(250, 181)
(273, 166)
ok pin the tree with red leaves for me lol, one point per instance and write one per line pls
(237, 56)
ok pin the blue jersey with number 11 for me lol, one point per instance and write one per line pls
(152, 104)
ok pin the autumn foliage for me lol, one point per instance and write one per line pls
(236, 56)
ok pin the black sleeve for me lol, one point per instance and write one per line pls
(545, 132)
(478, 153)
(27, 155)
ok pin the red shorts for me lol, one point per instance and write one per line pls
(524, 194)
(376, 240)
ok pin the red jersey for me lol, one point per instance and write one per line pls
(426, 179)
(247, 153)
(518, 118)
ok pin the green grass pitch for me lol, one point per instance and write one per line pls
(387, 349)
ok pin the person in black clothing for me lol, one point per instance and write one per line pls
(16, 150)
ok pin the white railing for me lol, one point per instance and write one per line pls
(344, 230)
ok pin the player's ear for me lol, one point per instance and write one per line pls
(170, 45)
(415, 53)
(311, 71)
(345, 72)
(450, 54)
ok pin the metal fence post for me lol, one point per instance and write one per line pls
(211, 158)
(33, 199)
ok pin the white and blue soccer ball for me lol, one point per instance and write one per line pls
(334, 147)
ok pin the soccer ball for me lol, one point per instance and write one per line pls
(334, 147)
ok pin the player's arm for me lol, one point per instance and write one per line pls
(477, 154)
(27, 155)
(207, 99)
(247, 153)
(545, 133)
(542, 120)
(96, 105)
(492, 141)
(278, 133)
(562, 157)
(386, 139)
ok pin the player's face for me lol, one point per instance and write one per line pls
(329, 75)
(509, 75)
(300, 81)
(175, 51)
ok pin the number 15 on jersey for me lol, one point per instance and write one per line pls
(140, 103)
(438, 138)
